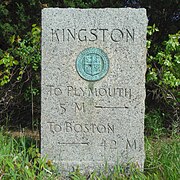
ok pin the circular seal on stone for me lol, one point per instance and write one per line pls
(92, 64)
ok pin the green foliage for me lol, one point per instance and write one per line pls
(163, 13)
(154, 124)
(20, 71)
(77, 3)
(8, 62)
(150, 31)
(76, 175)
(162, 158)
(164, 67)
(20, 159)
(27, 52)
(163, 77)
(16, 18)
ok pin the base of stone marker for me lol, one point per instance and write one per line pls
(65, 168)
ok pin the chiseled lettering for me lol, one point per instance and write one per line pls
(68, 126)
(120, 90)
(69, 89)
(131, 145)
(83, 35)
(54, 32)
(72, 127)
(101, 128)
(103, 33)
(51, 126)
(57, 128)
(78, 128)
(83, 92)
(117, 35)
(102, 92)
(94, 33)
(90, 92)
(129, 34)
(63, 36)
(128, 93)
(110, 128)
(57, 91)
(111, 92)
(62, 107)
(79, 107)
(113, 144)
(86, 128)
(93, 127)
(80, 35)
(76, 92)
(72, 34)
(51, 89)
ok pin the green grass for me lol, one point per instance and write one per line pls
(163, 158)
(20, 159)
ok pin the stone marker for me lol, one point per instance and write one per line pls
(93, 86)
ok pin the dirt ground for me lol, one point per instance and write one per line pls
(26, 132)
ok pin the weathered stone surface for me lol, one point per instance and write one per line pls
(89, 123)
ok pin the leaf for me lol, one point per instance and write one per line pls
(18, 39)
(12, 39)
(34, 25)
(1, 62)
(167, 63)
(15, 62)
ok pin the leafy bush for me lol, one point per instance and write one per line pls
(20, 73)
(25, 51)
(16, 18)
(164, 67)
(163, 77)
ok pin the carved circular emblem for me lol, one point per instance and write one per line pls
(92, 64)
